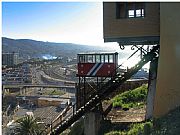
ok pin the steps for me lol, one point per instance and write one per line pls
(106, 89)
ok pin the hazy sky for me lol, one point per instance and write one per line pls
(73, 22)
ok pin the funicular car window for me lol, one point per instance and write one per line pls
(102, 58)
(90, 59)
(98, 59)
(111, 58)
(106, 59)
(81, 59)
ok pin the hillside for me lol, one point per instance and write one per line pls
(166, 125)
(33, 48)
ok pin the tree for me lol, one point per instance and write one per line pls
(28, 126)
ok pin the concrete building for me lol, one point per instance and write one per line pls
(10, 59)
(138, 23)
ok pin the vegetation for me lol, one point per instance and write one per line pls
(131, 98)
(135, 129)
(167, 125)
(28, 125)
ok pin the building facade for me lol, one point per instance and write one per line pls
(167, 96)
(137, 23)
(131, 22)
(10, 59)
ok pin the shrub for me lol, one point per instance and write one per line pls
(131, 98)
(135, 129)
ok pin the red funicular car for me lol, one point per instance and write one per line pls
(97, 64)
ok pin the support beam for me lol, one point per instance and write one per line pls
(92, 123)
(151, 89)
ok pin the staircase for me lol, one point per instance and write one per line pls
(106, 89)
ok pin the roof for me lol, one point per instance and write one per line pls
(45, 114)
(97, 53)
(53, 99)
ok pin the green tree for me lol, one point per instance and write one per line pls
(28, 125)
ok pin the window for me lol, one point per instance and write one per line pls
(90, 59)
(98, 59)
(102, 58)
(138, 12)
(86, 58)
(110, 58)
(106, 59)
(94, 58)
(131, 13)
(139, 9)
(130, 10)
(81, 59)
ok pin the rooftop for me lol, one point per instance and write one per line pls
(53, 99)
(45, 114)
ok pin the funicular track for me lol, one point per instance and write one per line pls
(106, 89)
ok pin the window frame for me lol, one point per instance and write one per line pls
(125, 14)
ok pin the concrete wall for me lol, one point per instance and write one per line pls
(92, 123)
(130, 27)
(168, 80)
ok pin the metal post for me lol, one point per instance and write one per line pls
(141, 53)
(84, 90)
(78, 94)
(51, 126)
(73, 109)
(97, 85)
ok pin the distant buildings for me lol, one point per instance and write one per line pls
(17, 75)
(10, 59)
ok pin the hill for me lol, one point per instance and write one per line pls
(37, 49)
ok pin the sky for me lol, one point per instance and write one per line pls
(62, 22)
(71, 22)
